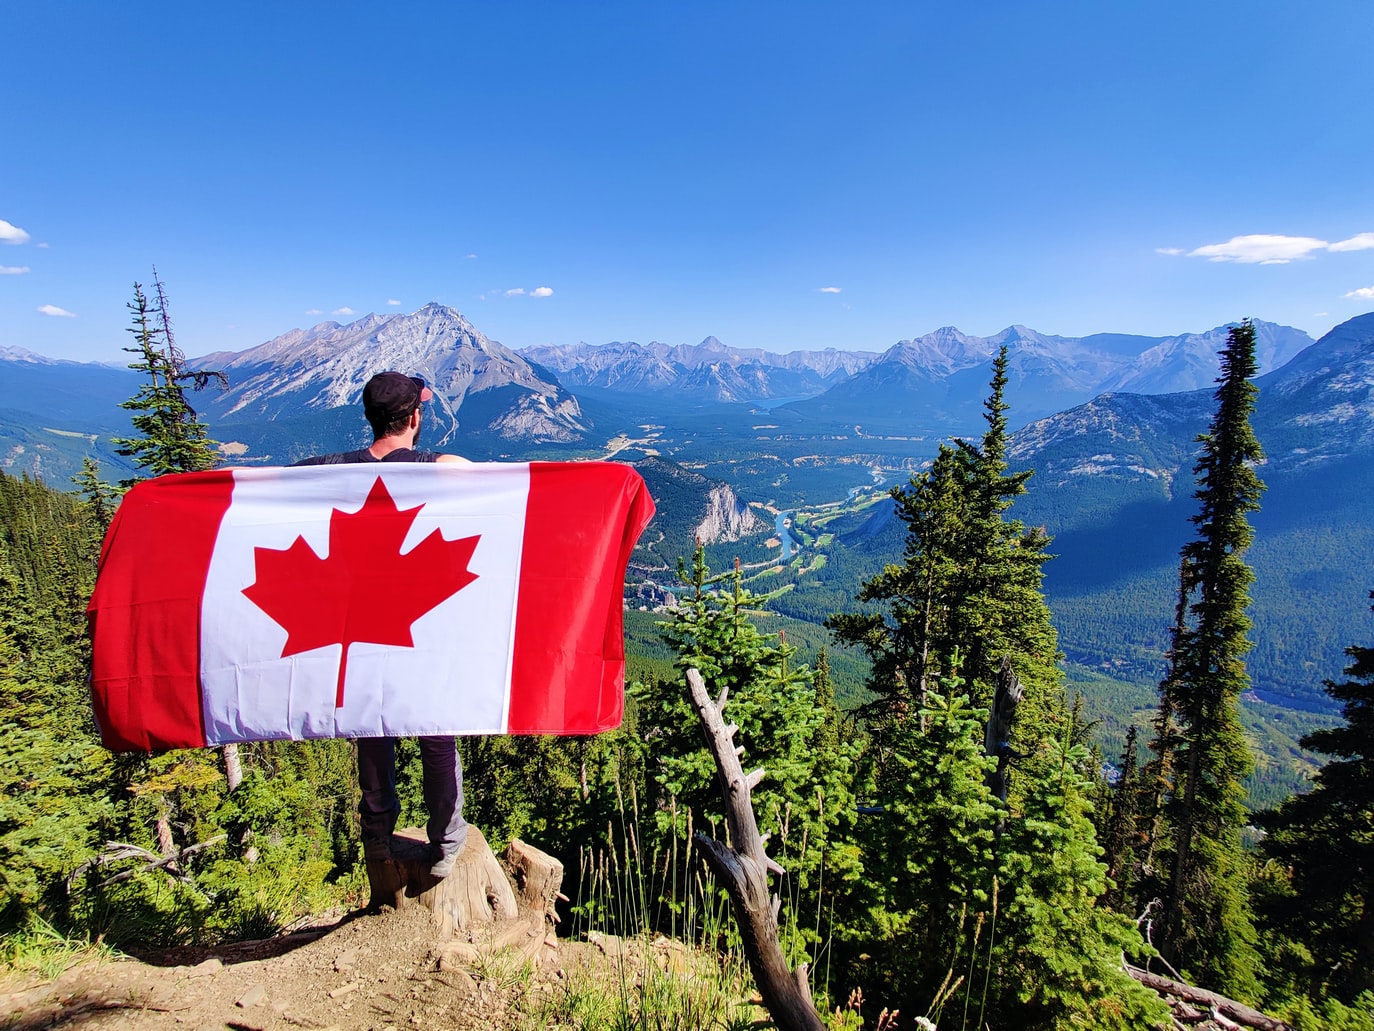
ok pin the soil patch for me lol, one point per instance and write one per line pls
(367, 972)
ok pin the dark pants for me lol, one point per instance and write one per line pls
(443, 785)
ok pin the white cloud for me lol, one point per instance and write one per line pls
(343, 311)
(392, 302)
(1260, 249)
(13, 270)
(313, 311)
(830, 289)
(519, 291)
(542, 291)
(11, 233)
(1169, 250)
(468, 257)
(56, 312)
(1364, 293)
(42, 246)
(1359, 242)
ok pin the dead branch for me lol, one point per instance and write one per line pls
(743, 866)
(1220, 1006)
(117, 851)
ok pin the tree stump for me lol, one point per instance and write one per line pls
(537, 876)
(483, 906)
(477, 893)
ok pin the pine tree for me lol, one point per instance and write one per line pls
(1055, 955)
(1200, 747)
(170, 438)
(971, 579)
(1121, 832)
(1326, 839)
(788, 729)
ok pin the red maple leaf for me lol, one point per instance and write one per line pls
(366, 590)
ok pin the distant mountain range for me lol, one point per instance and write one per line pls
(708, 371)
(298, 393)
(937, 383)
(932, 382)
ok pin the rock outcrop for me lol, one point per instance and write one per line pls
(727, 517)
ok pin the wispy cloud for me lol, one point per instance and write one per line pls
(56, 312)
(519, 291)
(1261, 249)
(469, 257)
(42, 246)
(831, 290)
(12, 233)
(392, 302)
(1271, 249)
(313, 311)
(1364, 293)
(542, 291)
(13, 270)
(343, 311)
(1359, 242)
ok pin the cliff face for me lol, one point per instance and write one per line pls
(727, 517)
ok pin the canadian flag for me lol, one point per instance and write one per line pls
(363, 601)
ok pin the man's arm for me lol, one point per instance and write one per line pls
(451, 458)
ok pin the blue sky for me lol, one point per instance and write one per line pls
(779, 175)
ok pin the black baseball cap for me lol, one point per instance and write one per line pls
(389, 396)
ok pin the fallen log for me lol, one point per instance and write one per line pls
(1219, 1005)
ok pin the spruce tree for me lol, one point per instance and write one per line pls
(787, 727)
(170, 438)
(1200, 747)
(1325, 838)
(971, 580)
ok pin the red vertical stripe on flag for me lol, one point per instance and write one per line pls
(568, 671)
(145, 629)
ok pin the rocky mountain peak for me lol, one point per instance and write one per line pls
(327, 366)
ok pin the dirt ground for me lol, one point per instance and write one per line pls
(364, 972)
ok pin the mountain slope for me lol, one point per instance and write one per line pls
(1113, 483)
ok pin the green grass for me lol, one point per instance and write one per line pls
(39, 949)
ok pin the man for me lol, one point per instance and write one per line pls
(392, 404)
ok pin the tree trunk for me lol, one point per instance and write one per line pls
(997, 740)
(233, 766)
(744, 870)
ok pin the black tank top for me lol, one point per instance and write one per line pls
(363, 456)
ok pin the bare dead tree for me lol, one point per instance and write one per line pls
(743, 866)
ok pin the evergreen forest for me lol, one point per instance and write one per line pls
(952, 842)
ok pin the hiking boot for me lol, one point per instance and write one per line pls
(443, 866)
